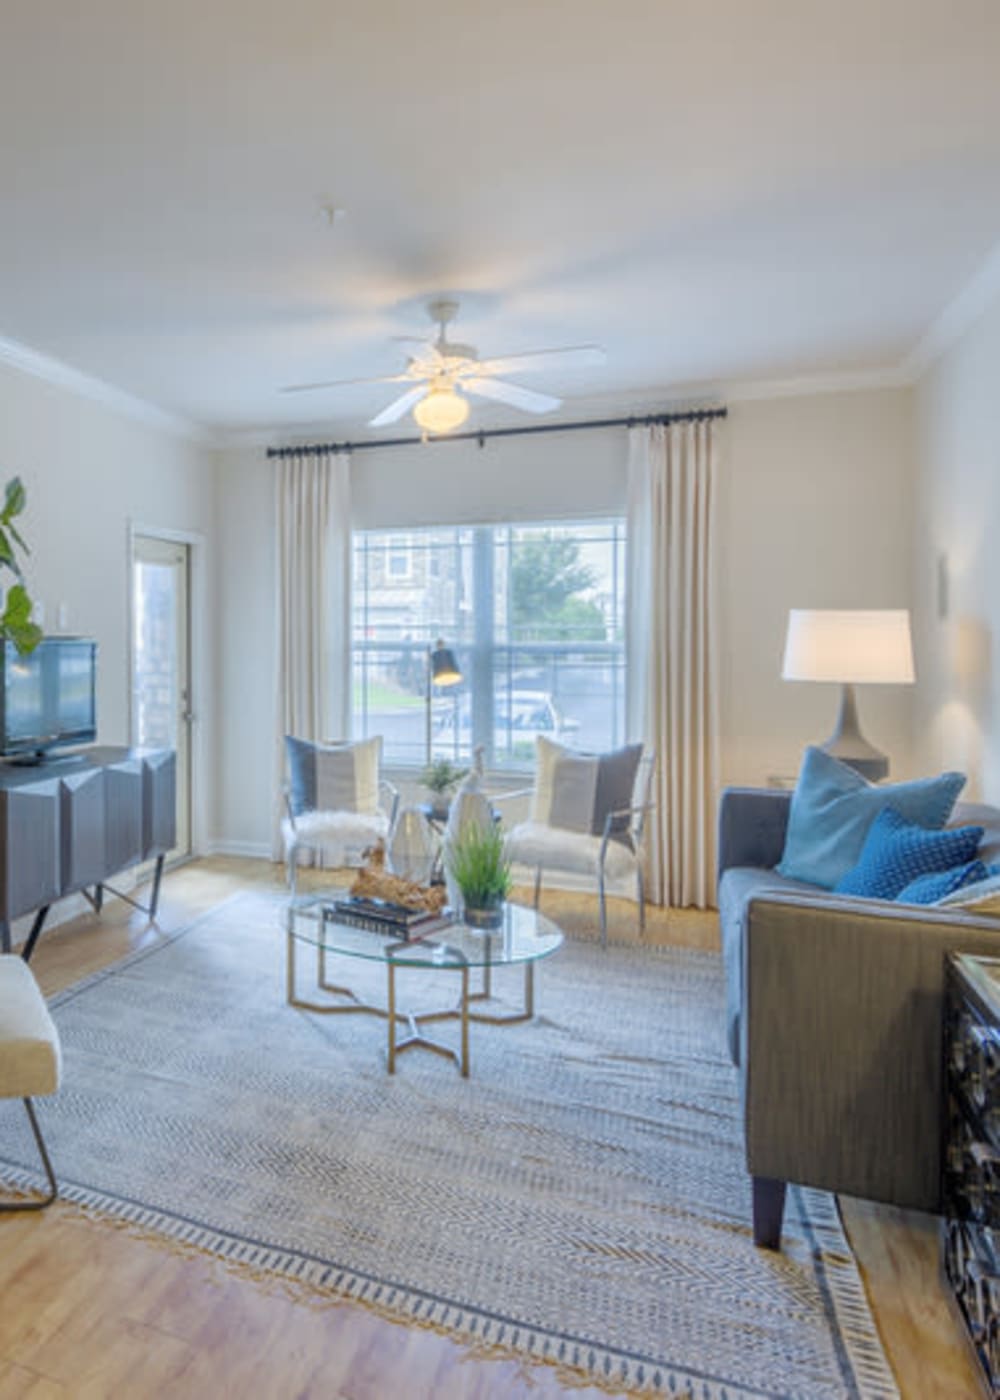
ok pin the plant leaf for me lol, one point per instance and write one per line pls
(7, 556)
(15, 499)
(15, 622)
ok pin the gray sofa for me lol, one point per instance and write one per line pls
(834, 1019)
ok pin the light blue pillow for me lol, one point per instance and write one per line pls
(833, 806)
(939, 884)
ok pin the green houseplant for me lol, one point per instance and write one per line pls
(15, 621)
(439, 778)
(481, 870)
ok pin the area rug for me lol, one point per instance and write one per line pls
(581, 1198)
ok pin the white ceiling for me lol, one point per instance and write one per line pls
(713, 191)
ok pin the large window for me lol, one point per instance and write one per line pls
(535, 617)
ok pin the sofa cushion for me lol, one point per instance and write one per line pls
(738, 886)
(896, 851)
(833, 806)
(980, 814)
(938, 884)
(982, 897)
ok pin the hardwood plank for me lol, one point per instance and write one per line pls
(17, 1383)
(86, 1304)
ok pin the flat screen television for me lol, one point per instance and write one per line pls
(48, 698)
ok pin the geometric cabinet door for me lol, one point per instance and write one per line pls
(29, 848)
(123, 813)
(84, 858)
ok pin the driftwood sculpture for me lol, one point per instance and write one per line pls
(373, 881)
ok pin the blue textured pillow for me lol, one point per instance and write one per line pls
(833, 806)
(938, 884)
(896, 851)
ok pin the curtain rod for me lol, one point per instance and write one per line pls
(316, 449)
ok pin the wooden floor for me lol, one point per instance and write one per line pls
(86, 1310)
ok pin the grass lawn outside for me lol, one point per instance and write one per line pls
(384, 697)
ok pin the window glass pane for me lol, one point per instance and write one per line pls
(535, 617)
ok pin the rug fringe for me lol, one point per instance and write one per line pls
(576, 1365)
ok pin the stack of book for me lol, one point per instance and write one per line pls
(382, 916)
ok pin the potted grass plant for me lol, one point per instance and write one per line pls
(480, 868)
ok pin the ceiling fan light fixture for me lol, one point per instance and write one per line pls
(441, 410)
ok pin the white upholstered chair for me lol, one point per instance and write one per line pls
(337, 804)
(588, 818)
(30, 1059)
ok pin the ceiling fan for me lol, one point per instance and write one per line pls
(445, 371)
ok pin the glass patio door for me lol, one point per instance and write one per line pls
(161, 662)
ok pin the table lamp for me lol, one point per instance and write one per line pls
(861, 647)
(442, 670)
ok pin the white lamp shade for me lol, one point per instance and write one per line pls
(861, 647)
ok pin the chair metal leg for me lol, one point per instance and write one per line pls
(33, 1204)
(604, 906)
(641, 888)
(538, 885)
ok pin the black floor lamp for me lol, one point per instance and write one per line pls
(442, 671)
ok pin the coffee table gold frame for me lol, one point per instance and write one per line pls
(454, 961)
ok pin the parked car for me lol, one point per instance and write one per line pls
(519, 717)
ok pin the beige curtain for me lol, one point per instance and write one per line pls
(672, 700)
(313, 516)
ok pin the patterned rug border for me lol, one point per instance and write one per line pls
(863, 1363)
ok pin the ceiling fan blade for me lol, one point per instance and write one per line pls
(512, 394)
(342, 383)
(398, 407)
(570, 357)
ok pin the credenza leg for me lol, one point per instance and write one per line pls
(36, 929)
(155, 897)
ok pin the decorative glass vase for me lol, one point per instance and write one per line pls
(412, 849)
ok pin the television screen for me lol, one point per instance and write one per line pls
(49, 695)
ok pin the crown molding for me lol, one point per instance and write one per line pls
(799, 386)
(86, 386)
(960, 314)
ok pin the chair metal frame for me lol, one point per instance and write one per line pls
(388, 794)
(32, 1203)
(633, 834)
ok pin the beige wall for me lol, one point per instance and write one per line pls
(957, 435)
(89, 471)
(814, 512)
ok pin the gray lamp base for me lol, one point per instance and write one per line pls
(848, 744)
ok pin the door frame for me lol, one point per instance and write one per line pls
(198, 645)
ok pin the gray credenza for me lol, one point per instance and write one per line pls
(72, 823)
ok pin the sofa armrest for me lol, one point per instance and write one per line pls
(842, 1043)
(752, 825)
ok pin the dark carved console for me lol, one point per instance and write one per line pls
(971, 1185)
(69, 825)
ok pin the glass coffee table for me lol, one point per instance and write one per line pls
(524, 938)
